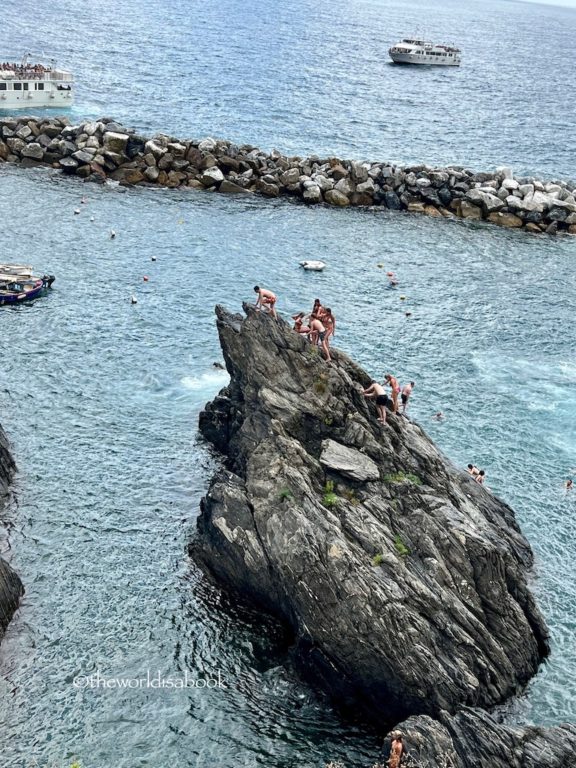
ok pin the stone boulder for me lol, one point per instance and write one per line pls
(115, 142)
(212, 177)
(473, 739)
(335, 197)
(505, 219)
(406, 590)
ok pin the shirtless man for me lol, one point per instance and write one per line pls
(405, 396)
(266, 300)
(473, 470)
(396, 750)
(392, 381)
(378, 392)
(480, 477)
(319, 334)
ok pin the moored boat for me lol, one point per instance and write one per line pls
(414, 51)
(20, 286)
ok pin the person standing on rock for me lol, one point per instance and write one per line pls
(392, 381)
(329, 321)
(396, 749)
(319, 334)
(378, 392)
(266, 300)
(405, 396)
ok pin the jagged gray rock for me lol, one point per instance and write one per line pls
(473, 739)
(407, 591)
(10, 585)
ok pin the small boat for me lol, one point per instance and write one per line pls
(18, 284)
(313, 266)
(412, 51)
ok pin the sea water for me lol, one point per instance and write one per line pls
(100, 397)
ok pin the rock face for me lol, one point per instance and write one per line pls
(472, 739)
(403, 580)
(10, 585)
(97, 150)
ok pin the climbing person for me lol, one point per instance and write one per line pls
(405, 395)
(396, 749)
(473, 470)
(480, 477)
(392, 381)
(318, 335)
(378, 393)
(266, 300)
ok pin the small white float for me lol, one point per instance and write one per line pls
(313, 266)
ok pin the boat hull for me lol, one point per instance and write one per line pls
(16, 297)
(410, 58)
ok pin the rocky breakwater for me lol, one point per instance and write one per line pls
(10, 585)
(103, 149)
(403, 580)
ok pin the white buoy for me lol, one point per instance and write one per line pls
(153, 258)
(76, 211)
(112, 234)
(91, 218)
(133, 299)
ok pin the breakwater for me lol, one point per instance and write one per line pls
(104, 149)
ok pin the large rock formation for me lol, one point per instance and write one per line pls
(403, 580)
(10, 585)
(472, 739)
(103, 149)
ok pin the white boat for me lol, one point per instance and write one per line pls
(313, 266)
(412, 51)
(25, 85)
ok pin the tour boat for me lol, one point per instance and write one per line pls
(25, 85)
(412, 51)
(18, 284)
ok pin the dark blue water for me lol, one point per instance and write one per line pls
(101, 397)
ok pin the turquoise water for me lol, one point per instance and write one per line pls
(101, 397)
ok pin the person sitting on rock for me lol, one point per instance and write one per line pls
(299, 326)
(392, 381)
(377, 391)
(396, 749)
(480, 477)
(266, 300)
(473, 470)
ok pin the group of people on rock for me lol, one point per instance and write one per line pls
(478, 474)
(377, 392)
(318, 326)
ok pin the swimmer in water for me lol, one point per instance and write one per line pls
(568, 485)
(438, 416)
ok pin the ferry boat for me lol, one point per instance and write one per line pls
(412, 51)
(25, 85)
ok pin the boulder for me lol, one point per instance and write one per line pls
(474, 739)
(228, 187)
(470, 211)
(505, 219)
(33, 150)
(366, 187)
(312, 194)
(334, 197)
(392, 201)
(115, 142)
(291, 176)
(151, 172)
(348, 462)
(486, 200)
(23, 132)
(84, 155)
(212, 176)
(406, 591)
(68, 164)
(345, 187)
